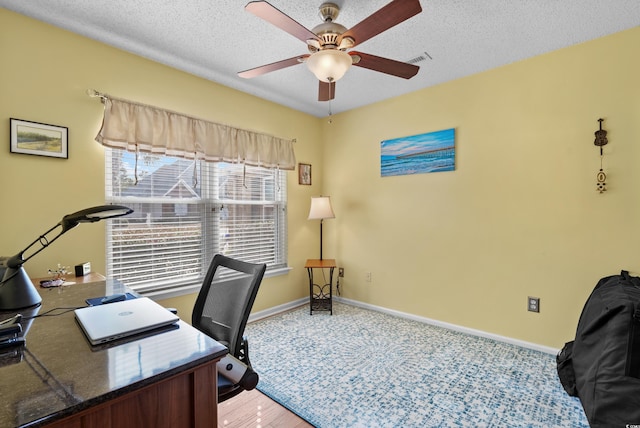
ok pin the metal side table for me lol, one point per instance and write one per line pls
(320, 295)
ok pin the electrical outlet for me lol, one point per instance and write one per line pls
(341, 272)
(533, 304)
(367, 276)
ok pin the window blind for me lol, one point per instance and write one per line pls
(185, 212)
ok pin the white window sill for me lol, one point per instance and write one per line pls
(195, 288)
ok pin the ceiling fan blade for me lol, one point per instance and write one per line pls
(266, 11)
(385, 65)
(326, 91)
(390, 15)
(264, 69)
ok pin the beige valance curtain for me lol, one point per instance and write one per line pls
(139, 127)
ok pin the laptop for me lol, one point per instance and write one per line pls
(106, 323)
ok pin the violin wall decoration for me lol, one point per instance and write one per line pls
(601, 140)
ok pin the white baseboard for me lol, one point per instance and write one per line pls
(296, 303)
(277, 309)
(449, 326)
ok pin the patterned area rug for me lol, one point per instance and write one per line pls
(362, 368)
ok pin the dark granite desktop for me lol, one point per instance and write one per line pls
(58, 373)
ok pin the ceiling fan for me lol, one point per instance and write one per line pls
(328, 43)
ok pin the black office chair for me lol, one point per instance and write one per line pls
(221, 312)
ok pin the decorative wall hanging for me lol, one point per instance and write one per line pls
(601, 140)
(418, 154)
(33, 138)
(304, 174)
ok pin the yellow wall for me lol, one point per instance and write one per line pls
(44, 75)
(520, 215)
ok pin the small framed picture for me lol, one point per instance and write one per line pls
(41, 139)
(304, 174)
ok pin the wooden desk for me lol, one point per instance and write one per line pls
(320, 295)
(166, 379)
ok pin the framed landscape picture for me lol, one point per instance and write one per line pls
(41, 139)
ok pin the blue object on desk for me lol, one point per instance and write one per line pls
(96, 301)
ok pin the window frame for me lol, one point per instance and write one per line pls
(209, 206)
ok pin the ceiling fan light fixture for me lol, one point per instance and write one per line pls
(329, 65)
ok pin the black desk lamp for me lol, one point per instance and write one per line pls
(16, 289)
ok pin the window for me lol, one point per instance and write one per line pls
(185, 212)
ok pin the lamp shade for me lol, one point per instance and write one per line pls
(320, 208)
(93, 214)
(68, 222)
(329, 65)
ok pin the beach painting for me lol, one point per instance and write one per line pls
(418, 154)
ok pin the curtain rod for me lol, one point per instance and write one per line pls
(95, 94)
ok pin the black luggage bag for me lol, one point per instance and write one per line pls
(605, 354)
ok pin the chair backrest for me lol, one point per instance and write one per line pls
(223, 306)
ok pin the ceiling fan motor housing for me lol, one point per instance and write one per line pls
(329, 11)
(328, 33)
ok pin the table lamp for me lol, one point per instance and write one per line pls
(16, 289)
(320, 209)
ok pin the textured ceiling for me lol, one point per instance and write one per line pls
(215, 39)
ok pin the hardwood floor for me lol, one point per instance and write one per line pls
(253, 409)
